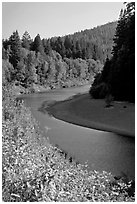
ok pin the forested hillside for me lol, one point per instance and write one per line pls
(118, 76)
(93, 43)
(59, 61)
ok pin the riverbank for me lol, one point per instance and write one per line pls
(92, 113)
(35, 171)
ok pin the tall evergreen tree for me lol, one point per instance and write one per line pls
(47, 46)
(37, 45)
(15, 47)
(26, 40)
(59, 46)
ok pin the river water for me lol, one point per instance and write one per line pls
(101, 150)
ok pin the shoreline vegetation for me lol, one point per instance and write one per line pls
(92, 113)
(34, 170)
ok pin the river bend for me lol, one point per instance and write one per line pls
(101, 150)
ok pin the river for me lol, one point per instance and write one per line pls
(101, 150)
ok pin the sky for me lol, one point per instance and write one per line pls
(51, 19)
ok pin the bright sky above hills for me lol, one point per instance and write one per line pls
(56, 18)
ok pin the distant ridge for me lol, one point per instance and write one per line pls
(94, 43)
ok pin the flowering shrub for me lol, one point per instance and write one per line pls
(34, 170)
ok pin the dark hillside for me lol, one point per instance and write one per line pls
(118, 75)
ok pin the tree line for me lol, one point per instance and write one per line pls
(93, 43)
(63, 61)
(27, 62)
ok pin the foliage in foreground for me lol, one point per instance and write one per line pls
(34, 170)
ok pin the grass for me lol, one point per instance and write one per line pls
(33, 170)
(92, 113)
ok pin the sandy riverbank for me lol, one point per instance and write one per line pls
(91, 113)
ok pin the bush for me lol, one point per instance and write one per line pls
(98, 79)
(99, 91)
(109, 98)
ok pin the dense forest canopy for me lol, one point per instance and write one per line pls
(94, 43)
(58, 61)
(118, 75)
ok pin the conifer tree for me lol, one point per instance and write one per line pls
(26, 40)
(47, 46)
(15, 47)
(37, 45)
